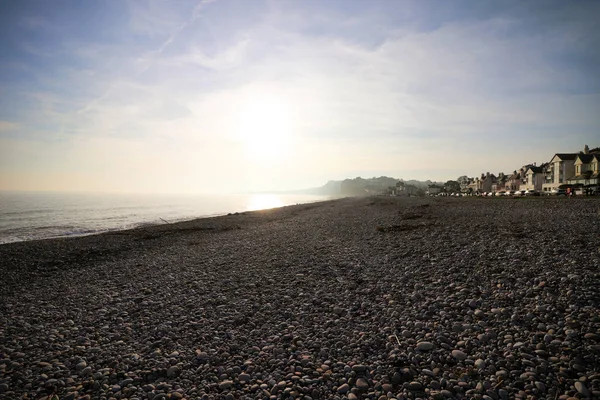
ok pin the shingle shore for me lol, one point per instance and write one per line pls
(354, 298)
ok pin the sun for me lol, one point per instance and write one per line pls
(265, 127)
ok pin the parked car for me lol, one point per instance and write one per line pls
(520, 193)
(532, 192)
(559, 192)
(501, 193)
(510, 193)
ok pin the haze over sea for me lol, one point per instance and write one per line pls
(43, 215)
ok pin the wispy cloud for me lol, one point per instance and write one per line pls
(379, 86)
(8, 126)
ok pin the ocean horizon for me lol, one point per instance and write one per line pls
(32, 215)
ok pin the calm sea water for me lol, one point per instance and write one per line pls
(42, 215)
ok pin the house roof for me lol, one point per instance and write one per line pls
(585, 158)
(566, 156)
(536, 170)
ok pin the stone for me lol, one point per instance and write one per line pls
(459, 355)
(126, 382)
(225, 385)
(245, 378)
(397, 378)
(581, 388)
(343, 389)
(592, 336)
(424, 346)
(540, 386)
(415, 386)
(362, 384)
(503, 394)
(359, 368)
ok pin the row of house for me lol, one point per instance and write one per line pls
(573, 169)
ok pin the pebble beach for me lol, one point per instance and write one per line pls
(357, 298)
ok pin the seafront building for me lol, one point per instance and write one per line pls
(565, 173)
(534, 178)
(577, 172)
(586, 170)
(560, 168)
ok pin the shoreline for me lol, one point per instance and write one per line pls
(82, 231)
(341, 299)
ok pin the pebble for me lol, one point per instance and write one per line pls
(359, 368)
(343, 388)
(459, 355)
(225, 385)
(362, 384)
(424, 346)
(581, 388)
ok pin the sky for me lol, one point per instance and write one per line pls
(216, 96)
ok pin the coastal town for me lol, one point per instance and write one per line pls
(565, 174)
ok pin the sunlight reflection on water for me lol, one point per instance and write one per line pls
(264, 201)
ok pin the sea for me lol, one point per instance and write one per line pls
(43, 215)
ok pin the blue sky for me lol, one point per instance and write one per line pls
(222, 95)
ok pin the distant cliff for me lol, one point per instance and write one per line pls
(362, 187)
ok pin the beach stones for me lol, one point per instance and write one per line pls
(345, 312)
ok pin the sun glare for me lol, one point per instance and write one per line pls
(263, 202)
(265, 127)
